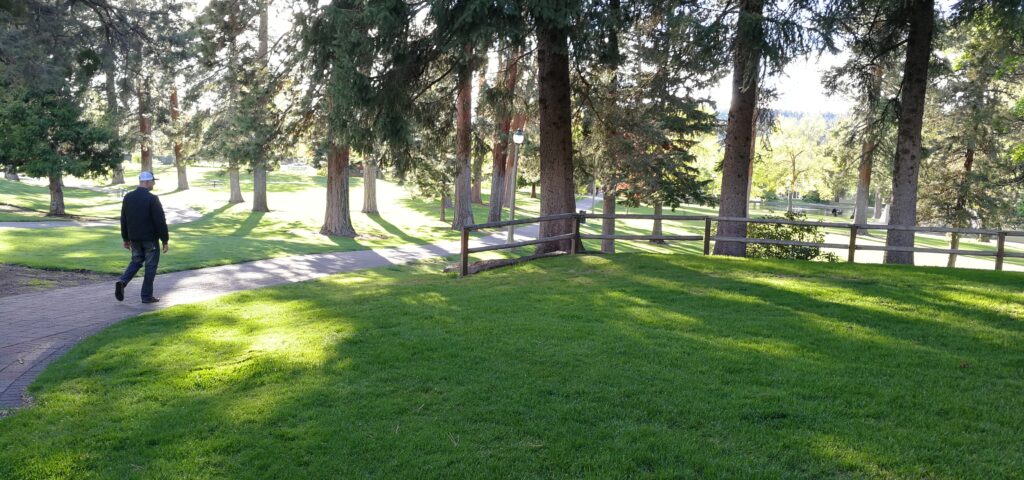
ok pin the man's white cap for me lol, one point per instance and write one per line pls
(146, 177)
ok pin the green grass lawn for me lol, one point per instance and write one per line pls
(24, 217)
(77, 201)
(604, 367)
(230, 234)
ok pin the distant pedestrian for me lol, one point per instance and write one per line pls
(142, 225)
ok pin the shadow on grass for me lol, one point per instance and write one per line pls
(676, 366)
(247, 226)
(393, 230)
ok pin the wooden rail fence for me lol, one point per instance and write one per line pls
(852, 247)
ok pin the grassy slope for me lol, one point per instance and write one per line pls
(608, 367)
(228, 234)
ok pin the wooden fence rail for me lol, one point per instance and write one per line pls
(1000, 253)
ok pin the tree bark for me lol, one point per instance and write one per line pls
(113, 114)
(145, 126)
(878, 206)
(337, 220)
(56, 196)
(478, 160)
(463, 147)
(656, 231)
(370, 186)
(738, 154)
(179, 161)
(478, 182)
(510, 67)
(444, 205)
(608, 225)
(260, 163)
(906, 166)
(259, 188)
(556, 164)
(533, 190)
(960, 207)
(236, 185)
(233, 90)
(867, 150)
(753, 155)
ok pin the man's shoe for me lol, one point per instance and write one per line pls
(119, 291)
(150, 300)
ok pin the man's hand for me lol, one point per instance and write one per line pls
(127, 245)
(166, 247)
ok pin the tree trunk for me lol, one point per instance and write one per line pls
(56, 196)
(753, 156)
(11, 174)
(499, 152)
(960, 207)
(117, 178)
(463, 147)
(145, 126)
(906, 165)
(260, 163)
(954, 243)
(867, 150)
(556, 167)
(444, 205)
(738, 154)
(608, 224)
(478, 184)
(179, 161)
(337, 221)
(370, 186)
(878, 206)
(259, 188)
(533, 190)
(113, 115)
(656, 231)
(236, 185)
(233, 92)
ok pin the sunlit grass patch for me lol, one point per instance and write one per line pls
(614, 366)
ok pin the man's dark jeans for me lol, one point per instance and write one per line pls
(147, 252)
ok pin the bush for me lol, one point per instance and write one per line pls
(795, 233)
(812, 197)
(769, 196)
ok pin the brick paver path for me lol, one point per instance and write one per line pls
(37, 328)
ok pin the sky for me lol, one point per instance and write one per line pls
(799, 88)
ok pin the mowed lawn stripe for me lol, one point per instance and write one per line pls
(590, 366)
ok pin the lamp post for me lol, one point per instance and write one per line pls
(518, 139)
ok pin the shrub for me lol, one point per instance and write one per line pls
(796, 233)
(812, 196)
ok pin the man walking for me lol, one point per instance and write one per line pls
(142, 225)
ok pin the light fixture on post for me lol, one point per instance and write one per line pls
(518, 138)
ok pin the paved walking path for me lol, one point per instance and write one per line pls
(37, 328)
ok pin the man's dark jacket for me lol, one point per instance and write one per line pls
(142, 217)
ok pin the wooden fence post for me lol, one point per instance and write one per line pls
(465, 252)
(707, 235)
(1000, 250)
(853, 243)
(576, 233)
